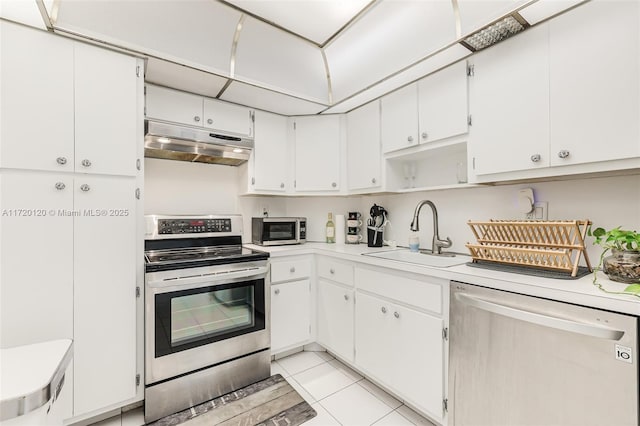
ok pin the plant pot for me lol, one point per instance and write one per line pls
(623, 266)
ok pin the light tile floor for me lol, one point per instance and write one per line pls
(338, 394)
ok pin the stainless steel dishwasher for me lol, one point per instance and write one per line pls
(521, 360)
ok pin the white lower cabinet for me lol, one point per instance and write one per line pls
(290, 314)
(335, 306)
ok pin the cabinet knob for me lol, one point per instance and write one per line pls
(86, 163)
(373, 180)
(410, 139)
(346, 297)
(333, 184)
(282, 185)
(196, 119)
(563, 154)
(332, 271)
(292, 270)
(61, 160)
(424, 135)
(384, 310)
(84, 187)
(396, 314)
(209, 121)
(277, 291)
(535, 158)
(60, 186)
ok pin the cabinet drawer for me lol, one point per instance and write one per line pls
(335, 270)
(424, 292)
(287, 270)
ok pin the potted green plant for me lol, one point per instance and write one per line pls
(623, 264)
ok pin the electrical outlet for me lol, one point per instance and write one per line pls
(540, 211)
(265, 211)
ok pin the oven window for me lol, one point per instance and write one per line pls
(278, 231)
(190, 318)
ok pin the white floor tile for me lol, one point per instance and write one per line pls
(355, 406)
(346, 370)
(302, 391)
(323, 418)
(393, 419)
(133, 417)
(380, 394)
(322, 380)
(277, 369)
(299, 362)
(413, 417)
(324, 355)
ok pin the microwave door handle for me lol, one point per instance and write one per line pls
(540, 319)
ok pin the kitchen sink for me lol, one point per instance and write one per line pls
(425, 259)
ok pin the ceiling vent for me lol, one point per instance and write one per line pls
(495, 32)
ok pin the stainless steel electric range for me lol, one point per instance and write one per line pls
(207, 311)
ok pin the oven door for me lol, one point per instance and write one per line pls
(203, 319)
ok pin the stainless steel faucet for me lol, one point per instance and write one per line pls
(437, 244)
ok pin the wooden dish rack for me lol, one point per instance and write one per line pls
(554, 245)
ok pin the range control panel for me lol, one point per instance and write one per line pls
(193, 226)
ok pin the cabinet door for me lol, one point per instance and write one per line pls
(335, 319)
(594, 83)
(106, 111)
(442, 103)
(36, 106)
(36, 277)
(228, 117)
(172, 105)
(399, 119)
(317, 153)
(270, 162)
(417, 358)
(104, 292)
(375, 353)
(363, 147)
(509, 102)
(290, 314)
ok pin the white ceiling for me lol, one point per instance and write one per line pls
(292, 57)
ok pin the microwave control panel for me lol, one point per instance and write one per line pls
(193, 226)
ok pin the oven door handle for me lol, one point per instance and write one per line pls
(211, 279)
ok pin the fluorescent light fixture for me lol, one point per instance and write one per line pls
(495, 32)
(238, 150)
(163, 140)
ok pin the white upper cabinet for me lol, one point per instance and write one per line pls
(318, 149)
(194, 110)
(442, 103)
(595, 114)
(509, 103)
(106, 111)
(270, 162)
(399, 119)
(36, 81)
(363, 147)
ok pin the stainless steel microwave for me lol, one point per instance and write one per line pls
(276, 231)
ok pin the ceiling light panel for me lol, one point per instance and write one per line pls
(25, 12)
(257, 97)
(274, 59)
(476, 14)
(315, 20)
(386, 39)
(180, 77)
(494, 33)
(193, 32)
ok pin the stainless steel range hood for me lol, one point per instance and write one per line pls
(174, 142)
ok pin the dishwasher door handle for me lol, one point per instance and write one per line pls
(540, 319)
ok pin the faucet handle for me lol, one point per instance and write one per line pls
(444, 243)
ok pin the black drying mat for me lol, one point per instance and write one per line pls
(528, 270)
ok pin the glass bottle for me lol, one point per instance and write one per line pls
(330, 230)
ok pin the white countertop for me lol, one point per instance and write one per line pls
(578, 291)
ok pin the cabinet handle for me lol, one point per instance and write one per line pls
(373, 180)
(333, 184)
(332, 271)
(535, 158)
(282, 185)
(396, 314)
(384, 310)
(424, 135)
(346, 297)
(60, 186)
(137, 193)
(86, 163)
(277, 291)
(138, 164)
(84, 187)
(292, 270)
(563, 154)
(410, 139)
(196, 119)
(253, 181)
(61, 160)
(209, 121)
